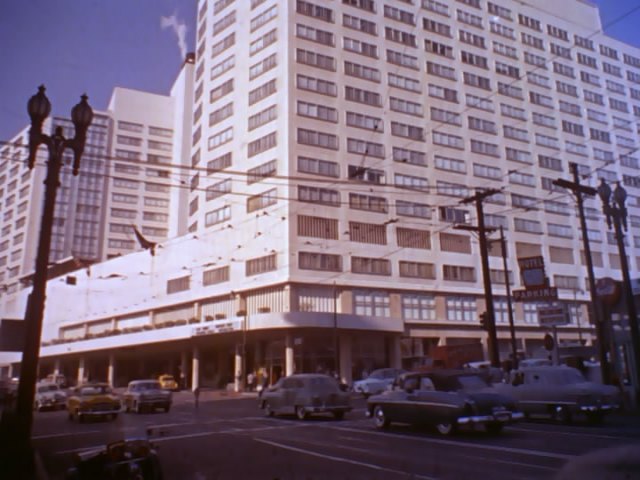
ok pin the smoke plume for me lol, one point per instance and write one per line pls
(179, 28)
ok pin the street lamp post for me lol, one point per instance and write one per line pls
(616, 213)
(39, 108)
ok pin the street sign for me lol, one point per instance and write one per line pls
(547, 294)
(532, 272)
(553, 316)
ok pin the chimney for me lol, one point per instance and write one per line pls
(190, 58)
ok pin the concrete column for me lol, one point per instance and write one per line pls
(111, 370)
(395, 352)
(81, 375)
(195, 368)
(345, 359)
(56, 367)
(184, 367)
(238, 369)
(288, 355)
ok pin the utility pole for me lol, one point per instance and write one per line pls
(578, 191)
(336, 340)
(512, 328)
(478, 198)
(618, 213)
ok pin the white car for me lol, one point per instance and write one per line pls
(49, 396)
(377, 382)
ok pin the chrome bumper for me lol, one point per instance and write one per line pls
(598, 408)
(507, 417)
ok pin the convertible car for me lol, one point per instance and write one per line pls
(305, 394)
(446, 399)
(561, 393)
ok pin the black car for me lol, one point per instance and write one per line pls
(446, 399)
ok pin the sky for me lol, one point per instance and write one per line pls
(91, 46)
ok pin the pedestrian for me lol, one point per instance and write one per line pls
(251, 378)
(196, 396)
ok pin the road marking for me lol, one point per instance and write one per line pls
(573, 434)
(341, 459)
(534, 453)
(55, 435)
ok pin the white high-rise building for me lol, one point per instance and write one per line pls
(332, 145)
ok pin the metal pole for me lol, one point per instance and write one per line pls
(35, 309)
(494, 355)
(336, 343)
(630, 301)
(512, 328)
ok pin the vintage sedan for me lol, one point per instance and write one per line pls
(446, 399)
(378, 381)
(561, 393)
(168, 382)
(92, 400)
(49, 396)
(305, 394)
(143, 395)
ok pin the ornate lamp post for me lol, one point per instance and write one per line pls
(39, 108)
(616, 213)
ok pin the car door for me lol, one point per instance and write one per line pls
(433, 406)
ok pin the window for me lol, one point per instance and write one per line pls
(418, 307)
(505, 50)
(315, 35)
(404, 83)
(510, 91)
(436, 7)
(261, 172)
(416, 270)
(485, 148)
(438, 48)
(556, 230)
(317, 85)
(362, 147)
(262, 144)
(539, 99)
(368, 233)
(449, 164)
(515, 133)
(461, 309)
(469, 18)
(560, 51)
(364, 121)
(220, 114)
(562, 69)
(405, 106)
(399, 15)
(567, 88)
(411, 182)
(320, 112)
(519, 178)
(499, 11)
(486, 171)
(319, 261)
(412, 157)
(443, 93)
(475, 60)
(402, 59)
(368, 5)
(550, 163)
(407, 131)
(262, 118)
(413, 209)
(363, 96)
(370, 266)
(313, 59)
(458, 273)
(317, 227)
(324, 196)
(437, 27)
(482, 125)
(255, 266)
(413, 238)
(178, 284)
(532, 41)
(477, 81)
(502, 30)
(528, 226)
(219, 163)
(359, 24)
(220, 138)
(317, 139)
(215, 275)
(262, 200)
(529, 22)
(224, 22)
(367, 175)
(223, 45)
(368, 203)
(360, 71)
(363, 48)
(600, 135)
(448, 140)
(318, 167)
(371, 303)
(507, 70)
(523, 201)
(450, 242)
(262, 92)
(315, 11)
(399, 36)
(535, 60)
(263, 18)
(481, 103)
(441, 70)
(513, 112)
(572, 128)
(546, 141)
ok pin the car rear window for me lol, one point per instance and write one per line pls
(148, 386)
(97, 390)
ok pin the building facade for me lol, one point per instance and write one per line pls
(332, 145)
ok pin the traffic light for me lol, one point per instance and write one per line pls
(484, 321)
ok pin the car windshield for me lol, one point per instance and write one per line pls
(377, 375)
(148, 386)
(47, 388)
(323, 384)
(166, 378)
(95, 390)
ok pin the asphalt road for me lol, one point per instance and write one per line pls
(231, 438)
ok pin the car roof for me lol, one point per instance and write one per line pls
(308, 375)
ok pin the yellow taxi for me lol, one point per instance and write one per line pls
(93, 400)
(168, 382)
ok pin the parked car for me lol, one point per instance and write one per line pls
(305, 394)
(49, 396)
(168, 382)
(58, 379)
(93, 400)
(377, 381)
(446, 399)
(560, 392)
(143, 395)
